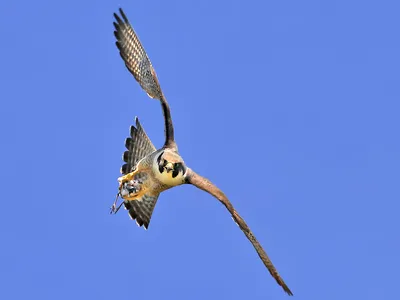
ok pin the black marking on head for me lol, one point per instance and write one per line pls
(175, 172)
(159, 157)
(160, 165)
(178, 167)
(183, 168)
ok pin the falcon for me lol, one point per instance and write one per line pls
(147, 171)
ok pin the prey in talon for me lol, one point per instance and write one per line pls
(147, 172)
(129, 189)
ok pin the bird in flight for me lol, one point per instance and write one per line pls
(147, 171)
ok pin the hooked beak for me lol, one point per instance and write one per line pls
(169, 167)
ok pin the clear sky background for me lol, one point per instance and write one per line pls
(290, 107)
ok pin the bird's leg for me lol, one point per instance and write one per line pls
(114, 209)
(122, 191)
(128, 189)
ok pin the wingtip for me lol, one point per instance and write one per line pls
(289, 292)
(138, 125)
(117, 36)
(123, 15)
(285, 287)
(119, 20)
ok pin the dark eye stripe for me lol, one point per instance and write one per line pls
(178, 168)
(175, 172)
(183, 168)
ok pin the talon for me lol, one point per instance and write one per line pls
(114, 209)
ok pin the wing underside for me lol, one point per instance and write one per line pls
(135, 57)
(142, 208)
(138, 145)
(138, 63)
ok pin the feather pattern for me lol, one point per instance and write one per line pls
(142, 208)
(138, 63)
(138, 145)
(135, 57)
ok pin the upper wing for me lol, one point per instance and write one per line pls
(205, 185)
(138, 63)
(142, 208)
(138, 145)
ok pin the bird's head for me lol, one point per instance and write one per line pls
(171, 164)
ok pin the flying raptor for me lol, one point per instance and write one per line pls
(147, 171)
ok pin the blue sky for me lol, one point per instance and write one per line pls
(290, 107)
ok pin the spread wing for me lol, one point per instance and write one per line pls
(142, 208)
(205, 185)
(138, 63)
(138, 145)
